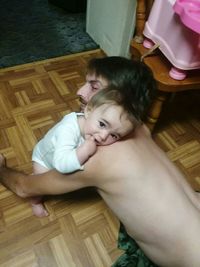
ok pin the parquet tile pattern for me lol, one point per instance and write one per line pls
(81, 231)
(178, 133)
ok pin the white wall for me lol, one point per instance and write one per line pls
(111, 24)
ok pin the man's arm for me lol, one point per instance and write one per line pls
(49, 183)
(98, 172)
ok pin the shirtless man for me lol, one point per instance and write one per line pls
(145, 190)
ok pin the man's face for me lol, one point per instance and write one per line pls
(91, 87)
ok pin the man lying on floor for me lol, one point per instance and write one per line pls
(145, 190)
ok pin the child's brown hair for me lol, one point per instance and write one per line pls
(112, 95)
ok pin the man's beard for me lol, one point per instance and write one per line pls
(82, 104)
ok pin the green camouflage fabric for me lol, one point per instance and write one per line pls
(133, 255)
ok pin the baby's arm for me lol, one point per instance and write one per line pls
(86, 150)
(68, 158)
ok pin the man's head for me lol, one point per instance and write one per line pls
(108, 117)
(133, 78)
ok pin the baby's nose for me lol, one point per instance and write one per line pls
(104, 135)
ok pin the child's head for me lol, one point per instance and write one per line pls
(108, 117)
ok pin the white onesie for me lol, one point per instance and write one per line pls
(57, 149)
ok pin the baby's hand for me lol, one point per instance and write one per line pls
(90, 145)
(86, 149)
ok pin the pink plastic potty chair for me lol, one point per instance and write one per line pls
(175, 26)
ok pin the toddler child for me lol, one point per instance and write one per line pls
(107, 118)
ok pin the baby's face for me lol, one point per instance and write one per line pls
(107, 124)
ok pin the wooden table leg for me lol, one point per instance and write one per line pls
(155, 110)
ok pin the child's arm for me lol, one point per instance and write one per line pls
(69, 158)
(86, 150)
(59, 146)
(69, 155)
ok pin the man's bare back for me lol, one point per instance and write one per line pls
(151, 198)
(148, 194)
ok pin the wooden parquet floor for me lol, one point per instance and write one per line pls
(81, 231)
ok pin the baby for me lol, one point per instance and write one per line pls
(107, 118)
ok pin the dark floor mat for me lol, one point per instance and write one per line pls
(35, 30)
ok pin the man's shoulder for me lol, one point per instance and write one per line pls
(140, 132)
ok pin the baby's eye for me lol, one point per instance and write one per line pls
(102, 124)
(114, 136)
